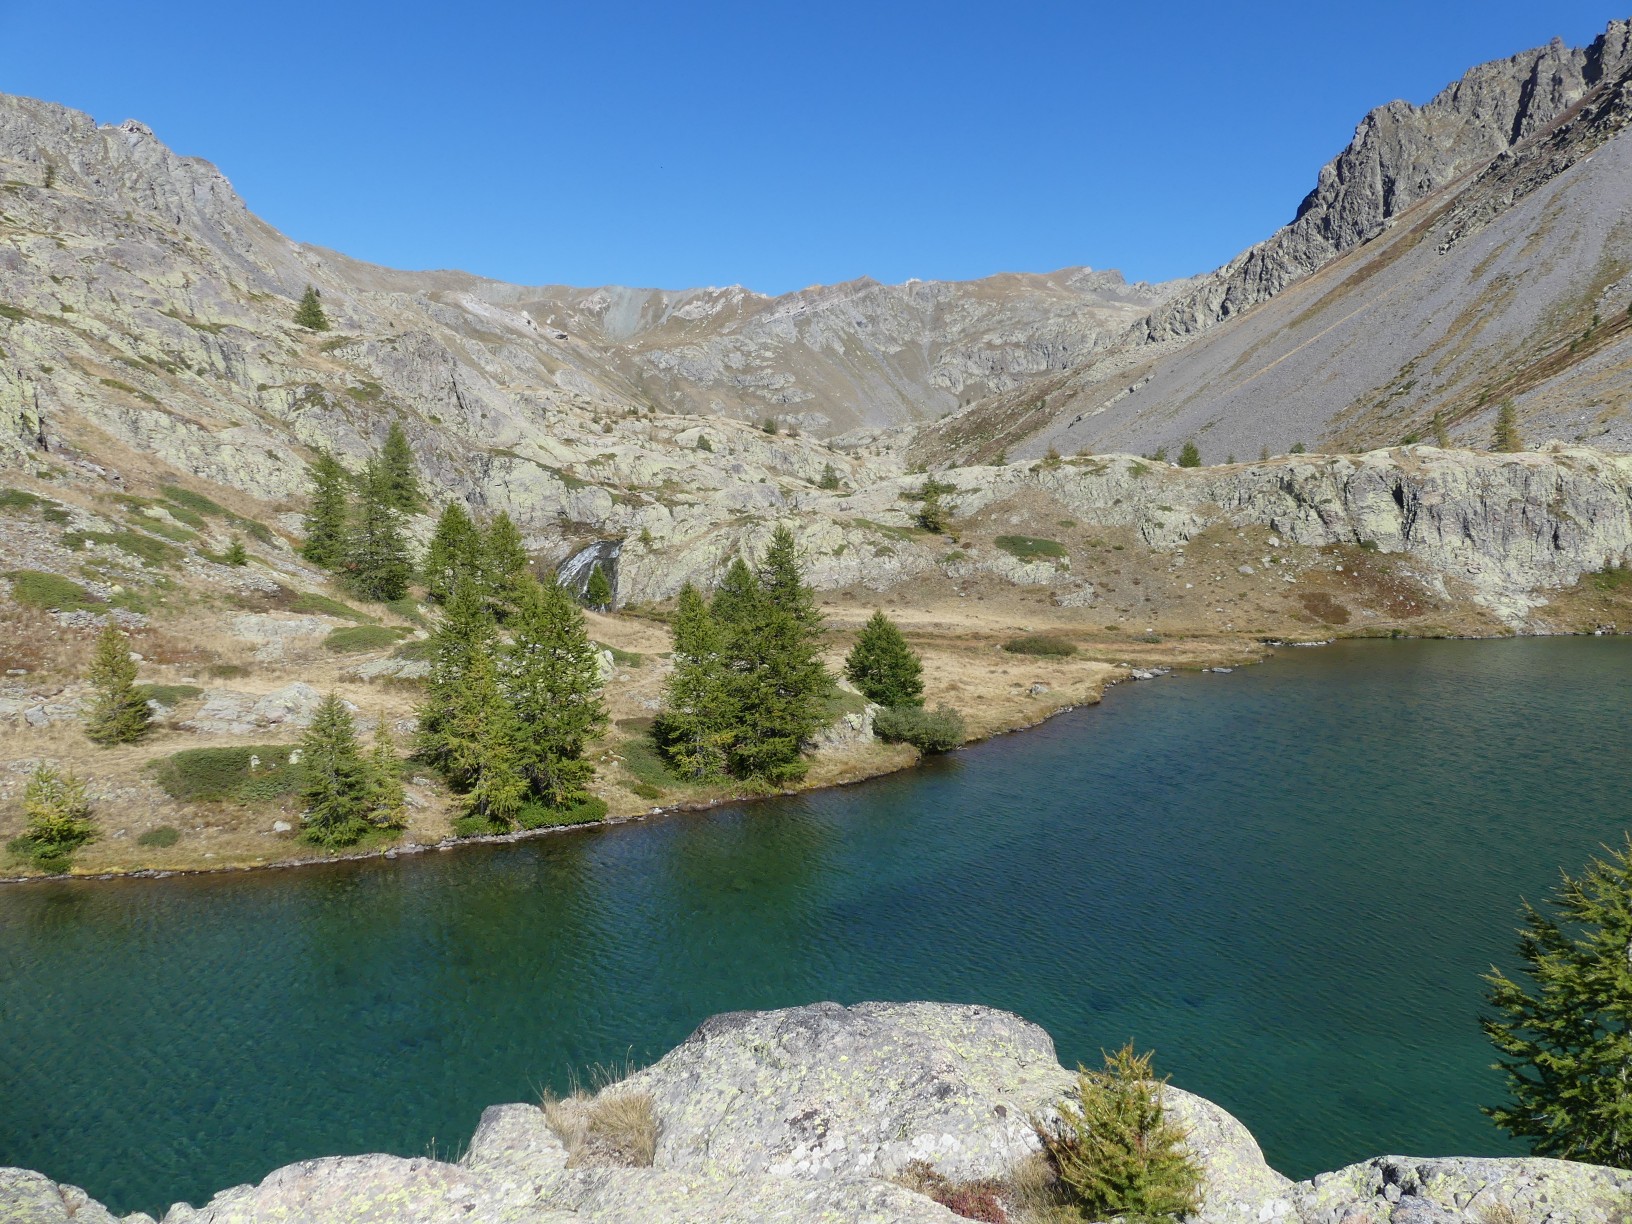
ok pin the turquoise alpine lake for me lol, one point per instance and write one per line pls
(1286, 880)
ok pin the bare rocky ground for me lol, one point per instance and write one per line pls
(833, 1113)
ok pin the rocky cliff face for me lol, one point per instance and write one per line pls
(1401, 154)
(820, 1113)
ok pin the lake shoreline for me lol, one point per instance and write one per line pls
(848, 772)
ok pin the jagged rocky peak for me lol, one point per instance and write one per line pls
(1400, 154)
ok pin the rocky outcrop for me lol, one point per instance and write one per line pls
(1501, 529)
(806, 1114)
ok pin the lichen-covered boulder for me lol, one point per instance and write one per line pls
(826, 1090)
(27, 1197)
(1465, 1190)
(372, 1190)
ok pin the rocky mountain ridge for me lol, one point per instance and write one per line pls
(822, 1113)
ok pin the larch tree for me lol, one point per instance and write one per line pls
(388, 798)
(377, 565)
(598, 591)
(1506, 434)
(465, 631)
(452, 553)
(781, 686)
(310, 314)
(118, 713)
(552, 676)
(399, 473)
(503, 564)
(1565, 1037)
(883, 666)
(481, 737)
(695, 727)
(338, 786)
(327, 521)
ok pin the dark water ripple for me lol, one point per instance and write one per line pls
(1287, 880)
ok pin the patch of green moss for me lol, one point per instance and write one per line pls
(1030, 548)
(256, 773)
(355, 638)
(52, 592)
(149, 550)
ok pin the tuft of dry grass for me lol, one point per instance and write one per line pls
(1501, 1213)
(613, 1127)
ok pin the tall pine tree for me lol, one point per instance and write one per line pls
(377, 565)
(338, 786)
(699, 716)
(401, 478)
(481, 737)
(1566, 1041)
(884, 667)
(553, 680)
(326, 521)
(773, 639)
(465, 631)
(503, 564)
(388, 800)
(118, 713)
(452, 554)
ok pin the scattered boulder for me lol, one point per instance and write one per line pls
(272, 635)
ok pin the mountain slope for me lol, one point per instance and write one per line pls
(1484, 290)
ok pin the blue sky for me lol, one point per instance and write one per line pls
(769, 144)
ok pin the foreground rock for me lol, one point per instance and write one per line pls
(805, 1114)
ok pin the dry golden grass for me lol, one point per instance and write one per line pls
(1501, 1213)
(615, 1126)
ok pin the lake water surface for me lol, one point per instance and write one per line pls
(1287, 880)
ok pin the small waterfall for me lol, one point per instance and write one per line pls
(574, 572)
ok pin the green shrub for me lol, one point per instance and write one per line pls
(623, 658)
(145, 547)
(205, 775)
(646, 765)
(226, 671)
(321, 605)
(937, 730)
(408, 609)
(52, 592)
(416, 648)
(362, 637)
(168, 694)
(1029, 548)
(20, 499)
(646, 790)
(162, 837)
(1041, 645)
(1117, 1152)
(587, 810)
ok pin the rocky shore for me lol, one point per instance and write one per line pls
(824, 1113)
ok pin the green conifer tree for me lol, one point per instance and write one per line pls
(1507, 437)
(58, 817)
(465, 631)
(118, 713)
(933, 514)
(503, 564)
(327, 520)
(780, 685)
(388, 799)
(830, 477)
(1566, 1042)
(883, 666)
(236, 554)
(552, 677)
(482, 740)
(376, 556)
(337, 787)
(400, 477)
(453, 553)
(1442, 435)
(598, 591)
(309, 314)
(1189, 455)
(699, 716)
